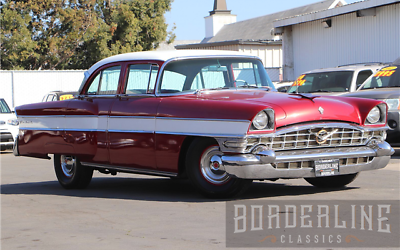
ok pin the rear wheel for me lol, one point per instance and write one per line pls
(203, 171)
(71, 173)
(332, 181)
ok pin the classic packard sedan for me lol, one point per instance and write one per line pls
(211, 116)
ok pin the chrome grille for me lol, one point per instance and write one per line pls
(310, 164)
(308, 138)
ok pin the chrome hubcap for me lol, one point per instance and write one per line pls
(68, 165)
(210, 163)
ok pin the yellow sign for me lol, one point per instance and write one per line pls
(66, 97)
(384, 73)
(300, 81)
(389, 68)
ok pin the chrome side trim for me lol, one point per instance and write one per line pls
(61, 129)
(131, 131)
(131, 170)
(199, 134)
(201, 119)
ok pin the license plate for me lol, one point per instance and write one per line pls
(326, 167)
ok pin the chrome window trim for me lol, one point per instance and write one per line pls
(96, 96)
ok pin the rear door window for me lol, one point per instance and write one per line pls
(141, 79)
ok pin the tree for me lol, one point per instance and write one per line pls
(74, 34)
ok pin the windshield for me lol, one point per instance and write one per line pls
(387, 77)
(198, 74)
(336, 81)
(4, 107)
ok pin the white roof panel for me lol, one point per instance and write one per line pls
(163, 56)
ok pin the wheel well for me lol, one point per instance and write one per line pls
(182, 155)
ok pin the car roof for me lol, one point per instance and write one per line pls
(397, 61)
(350, 67)
(163, 56)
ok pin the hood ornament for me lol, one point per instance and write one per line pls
(321, 110)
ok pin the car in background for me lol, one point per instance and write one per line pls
(211, 116)
(8, 126)
(334, 81)
(58, 96)
(385, 86)
(283, 86)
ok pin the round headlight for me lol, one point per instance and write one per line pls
(13, 122)
(260, 121)
(393, 104)
(374, 115)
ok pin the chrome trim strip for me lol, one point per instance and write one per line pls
(131, 170)
(201, 119)
(39, 116)
(130, 131)
(134, 117)
(199, 134)
(295, 128)
(327, 153)
(61, 129)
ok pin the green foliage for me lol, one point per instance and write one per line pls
(74, 34)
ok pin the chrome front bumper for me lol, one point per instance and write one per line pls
(263, 163)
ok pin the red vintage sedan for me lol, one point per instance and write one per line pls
(211, 116)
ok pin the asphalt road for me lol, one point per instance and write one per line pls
(141, 212)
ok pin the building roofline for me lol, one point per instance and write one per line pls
(226, 43)
(345, 9)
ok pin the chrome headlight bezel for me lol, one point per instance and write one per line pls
(13, 122)
(377, 115)
(263, 121)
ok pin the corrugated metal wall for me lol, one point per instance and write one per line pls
(270, 55)
(31, 86)
(351, 39)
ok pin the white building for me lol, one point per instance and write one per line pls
(367, 31)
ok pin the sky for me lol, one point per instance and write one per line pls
(188, 15)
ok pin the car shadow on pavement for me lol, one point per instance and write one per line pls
(156, 189)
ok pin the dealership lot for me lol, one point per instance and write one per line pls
(138, 212)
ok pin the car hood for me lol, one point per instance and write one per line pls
(289, 108)
(379, 94)
(6, 116)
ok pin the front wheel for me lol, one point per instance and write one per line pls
(204, 172)
(332, 181)
(71, 173)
